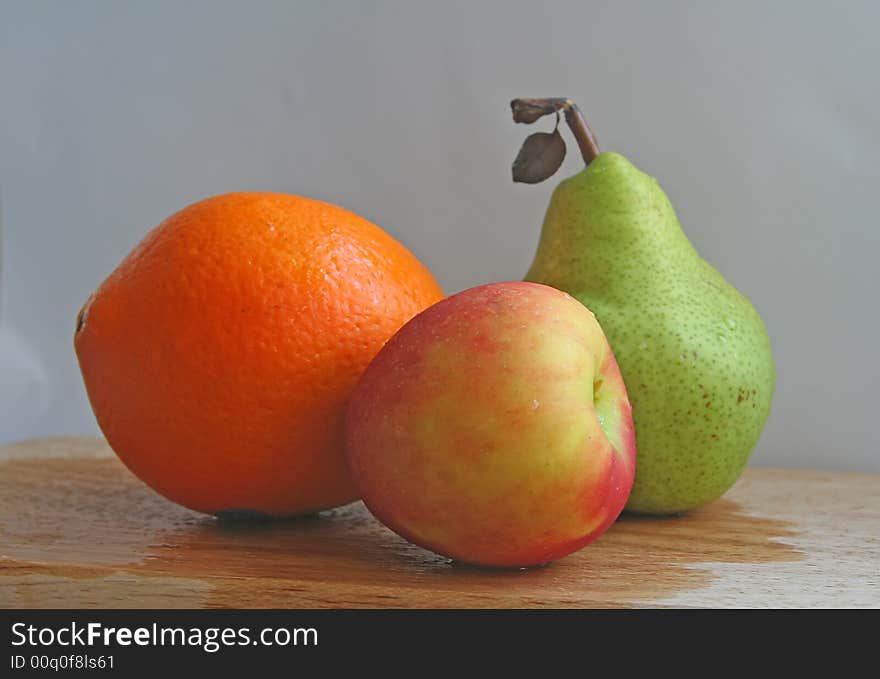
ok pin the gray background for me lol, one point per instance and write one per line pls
(759, 119)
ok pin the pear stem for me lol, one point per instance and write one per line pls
(529, 110)
(586, 140)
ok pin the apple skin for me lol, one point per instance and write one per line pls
(494, 428)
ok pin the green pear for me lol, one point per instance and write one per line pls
(694, 353)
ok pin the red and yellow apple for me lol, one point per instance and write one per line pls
(495, 428)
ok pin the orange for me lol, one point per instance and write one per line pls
(219, 356)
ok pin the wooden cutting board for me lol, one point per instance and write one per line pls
(78, 530)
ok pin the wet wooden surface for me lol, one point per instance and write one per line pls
(78, 530)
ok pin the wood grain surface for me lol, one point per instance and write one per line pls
(78, 530)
